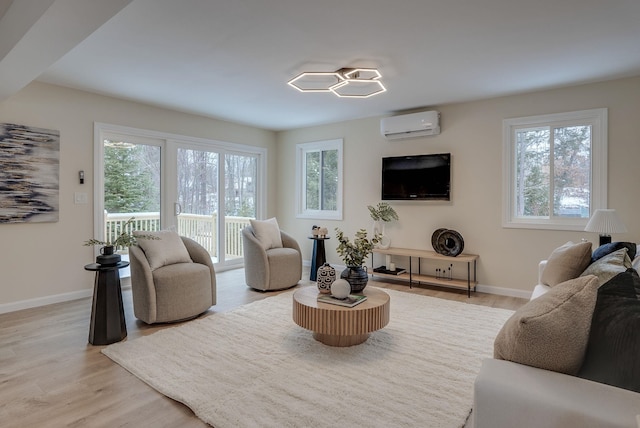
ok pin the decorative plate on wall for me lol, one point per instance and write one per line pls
(449, 243)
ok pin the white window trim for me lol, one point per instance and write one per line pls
(100, 130)
(301, 150)
(597, 118)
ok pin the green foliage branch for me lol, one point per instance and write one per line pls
(383, 212)
(354, 253)
(124, 239)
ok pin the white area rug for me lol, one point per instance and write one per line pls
(254, 367)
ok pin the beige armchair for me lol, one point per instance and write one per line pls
(173, 291)
(272, 269)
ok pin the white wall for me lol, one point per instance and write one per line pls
(43, 262)
(472, 133)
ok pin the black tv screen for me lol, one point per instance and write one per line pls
(420, 177)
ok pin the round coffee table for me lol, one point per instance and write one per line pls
(336, 325)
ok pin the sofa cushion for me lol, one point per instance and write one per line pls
(566, 262)
(267, 232)
(609, 266)
(551, 331)
(166, 250)
(609, 248)
(613, 350)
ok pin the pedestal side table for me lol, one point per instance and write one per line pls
(107, 311)
(319, 257)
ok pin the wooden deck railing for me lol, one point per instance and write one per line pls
(201, 228)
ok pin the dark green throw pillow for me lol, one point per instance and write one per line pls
(613, 350)
(609, 248)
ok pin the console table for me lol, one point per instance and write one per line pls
(441, 280)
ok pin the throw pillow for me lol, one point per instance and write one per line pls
(566, 262)
(267, 232)
(609, 248)
(552, 331)
(614, 343)
(609, 266)
(166, 250)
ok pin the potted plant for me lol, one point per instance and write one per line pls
(381, 215)
(124, 239)
(354, 254)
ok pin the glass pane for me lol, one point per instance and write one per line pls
(312, 182)
(198, 196)
(330, 180)
(532, 172)
(571, 167)
(241, 175)
(131, 188)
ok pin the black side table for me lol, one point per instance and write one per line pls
(319, 258)
(107, 311)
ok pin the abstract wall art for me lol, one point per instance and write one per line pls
(29, 174)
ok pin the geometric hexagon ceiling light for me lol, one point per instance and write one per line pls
(344, 83)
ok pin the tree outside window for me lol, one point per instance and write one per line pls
(556, 169)
(319, 177)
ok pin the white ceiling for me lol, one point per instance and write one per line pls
(231, 59)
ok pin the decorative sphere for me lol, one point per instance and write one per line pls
(340, 288)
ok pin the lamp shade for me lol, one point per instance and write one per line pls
(605, 222)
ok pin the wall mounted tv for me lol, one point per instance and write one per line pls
(417, 178)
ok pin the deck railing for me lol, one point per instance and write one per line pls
(201, 228)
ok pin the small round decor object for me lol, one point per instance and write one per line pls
(326, 276)
(434, 239)
(450, 243)
(340, 289)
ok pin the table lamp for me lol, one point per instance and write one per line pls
(605, 222)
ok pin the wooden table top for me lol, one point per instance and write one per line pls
(328, 319)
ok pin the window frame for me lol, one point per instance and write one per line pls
(597, 119)
(301, 179)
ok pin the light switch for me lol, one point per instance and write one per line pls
(80, 198)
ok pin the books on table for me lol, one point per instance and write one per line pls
(383, 269)
(350, 301)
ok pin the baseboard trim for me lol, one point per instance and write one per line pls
(501, 291)
(43, 301)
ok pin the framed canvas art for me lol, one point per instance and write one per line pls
(29, 174)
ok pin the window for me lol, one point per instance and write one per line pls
(555, 169)
(319, 180)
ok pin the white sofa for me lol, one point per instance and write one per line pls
(508, 394)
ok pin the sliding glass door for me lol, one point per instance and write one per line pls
(205, 191)
(209, 213)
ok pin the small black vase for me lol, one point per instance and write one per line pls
(356, 276)
(107, 256)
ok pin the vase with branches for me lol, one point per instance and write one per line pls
(354, 253)
(124, 239)
(382, 214)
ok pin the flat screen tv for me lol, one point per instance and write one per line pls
(417, 178)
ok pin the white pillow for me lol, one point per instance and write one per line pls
(167, 250)
(267, 232)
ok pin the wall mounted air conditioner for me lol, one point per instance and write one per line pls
(410, 125)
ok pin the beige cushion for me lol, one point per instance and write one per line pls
(609, 266)
(166, 250)
(552, 331)
(267, 232)
(566, 262)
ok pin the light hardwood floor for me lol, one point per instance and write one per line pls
(51, 377)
